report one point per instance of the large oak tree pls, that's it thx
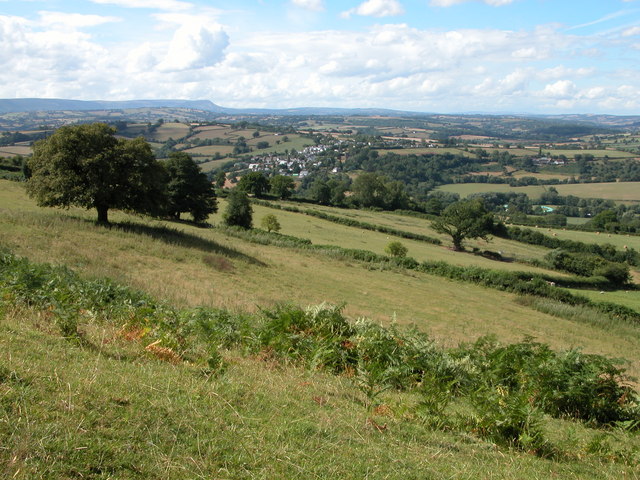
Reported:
(87, 166)
(464, 219)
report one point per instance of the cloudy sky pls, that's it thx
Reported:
(522, 56)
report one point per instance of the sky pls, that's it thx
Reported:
(443, 56)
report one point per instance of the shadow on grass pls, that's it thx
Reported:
(173, 236)
(168, 235)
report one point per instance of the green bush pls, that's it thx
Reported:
(396, 249)
(616, 273)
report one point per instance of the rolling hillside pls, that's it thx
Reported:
(82, 408)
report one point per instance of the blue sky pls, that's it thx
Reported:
(448, 56)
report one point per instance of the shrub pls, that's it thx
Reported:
(270, 223)
(396, 249)
(616, 273)
(239, 212)
(510, 418)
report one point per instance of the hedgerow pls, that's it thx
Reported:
(606, 251)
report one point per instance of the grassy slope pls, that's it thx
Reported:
(509, 249)
(205, 267)
(111, 412)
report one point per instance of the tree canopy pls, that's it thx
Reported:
(463, 220)
(188, 190)
(373, 190)
(239, 212)
(87, 166)
(270, 223)
(255, 183)
(282, 186)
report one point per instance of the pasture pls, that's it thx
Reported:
(170, 130)
(617, 240)
(426, 151)
(210, 150)
(111, 408)
(189, 266)
(13, 150)
(466, 189)
(210, 165)
(598, 154)
(623, 192)
(512, 250)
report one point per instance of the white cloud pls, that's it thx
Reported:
(195, 46)
(561, 71)
(561, 89)
(388, 65)
(376, 8)
(73, 20)
(515, 81)
(51, 63)
(593, 93)
(450, 3)
(315, 5)
(631, 32)
(142, 58)
(170, 5)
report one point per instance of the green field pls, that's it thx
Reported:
(426, 151)
(263, 275)
(598, 154)
(423, 251)
(211, 150)
(617, 240)
(113, 412)
(107, 406)
(618, 191)
(213, 164)
(296, 142)
(466, 189)
(170, 130)
(12, 151)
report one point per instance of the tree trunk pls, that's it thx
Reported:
(103, 217)
(457, 243)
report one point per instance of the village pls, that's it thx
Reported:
(298, 165)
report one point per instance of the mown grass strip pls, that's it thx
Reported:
(351, 222)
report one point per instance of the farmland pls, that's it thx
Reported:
(216, 391)
(623, 192)
(255, 396)
(179, 273)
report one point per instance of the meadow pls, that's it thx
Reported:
(169, 130)
(422, 251)
(101, 403)
(194, 266)
(623, 192)
(114, 411)
(12, 151)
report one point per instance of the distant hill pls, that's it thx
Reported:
(194, 110)
(59, 104)
(14, 105)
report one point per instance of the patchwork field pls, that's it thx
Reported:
(170, 130)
